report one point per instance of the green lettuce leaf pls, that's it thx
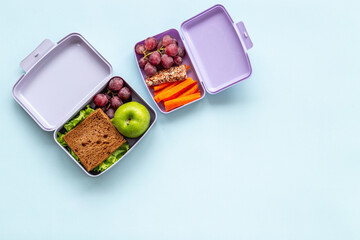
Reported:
(73, 123)
(61, 139)
(112, 158)
(64, 144)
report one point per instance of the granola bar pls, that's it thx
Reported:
(172, 74)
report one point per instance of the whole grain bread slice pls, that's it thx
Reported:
(94, 139)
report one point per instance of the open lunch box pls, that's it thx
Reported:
(75, 71)
(216, 51)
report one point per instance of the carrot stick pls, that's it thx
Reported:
(175, 91)
(191, 90)
(161, 86)
(165, 90)
(173, 84)
(187, 67)
(175, 95)
(177, 102)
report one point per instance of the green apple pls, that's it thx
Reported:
(131, 119)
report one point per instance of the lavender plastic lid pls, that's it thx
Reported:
(59, 79)
(217, 48)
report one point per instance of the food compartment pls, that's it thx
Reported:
(131, 141)
(186, 60)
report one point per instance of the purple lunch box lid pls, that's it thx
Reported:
(217, 48)
(59, 78)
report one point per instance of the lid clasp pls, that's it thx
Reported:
(36, 55)
(245, 38)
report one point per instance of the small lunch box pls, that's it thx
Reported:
(60, 79)
(216, 51)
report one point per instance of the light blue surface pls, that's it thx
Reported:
(274, 157)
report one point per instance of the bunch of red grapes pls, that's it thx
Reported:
(159, 54)
(112, 97)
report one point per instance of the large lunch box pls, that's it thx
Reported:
(216, 51)
(61, 79)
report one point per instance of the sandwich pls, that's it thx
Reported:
(94, 139)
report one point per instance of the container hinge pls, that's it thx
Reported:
(36, 55)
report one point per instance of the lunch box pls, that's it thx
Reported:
(216, 51)
(60, 79)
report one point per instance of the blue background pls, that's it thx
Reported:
(274, 157)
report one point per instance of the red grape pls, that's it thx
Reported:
(150, 69)
(115, 102)
(159, 45)
(116, 83)
(110, 113)
(100, 100)
(150, 43)
(166, 61)
(181, 52)
(172, 49)
(167, 40)
(155, 58)
(175, 41)
(140, 48)
(159, 67)
(178, 60)
(124, 93)
(142, 62)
